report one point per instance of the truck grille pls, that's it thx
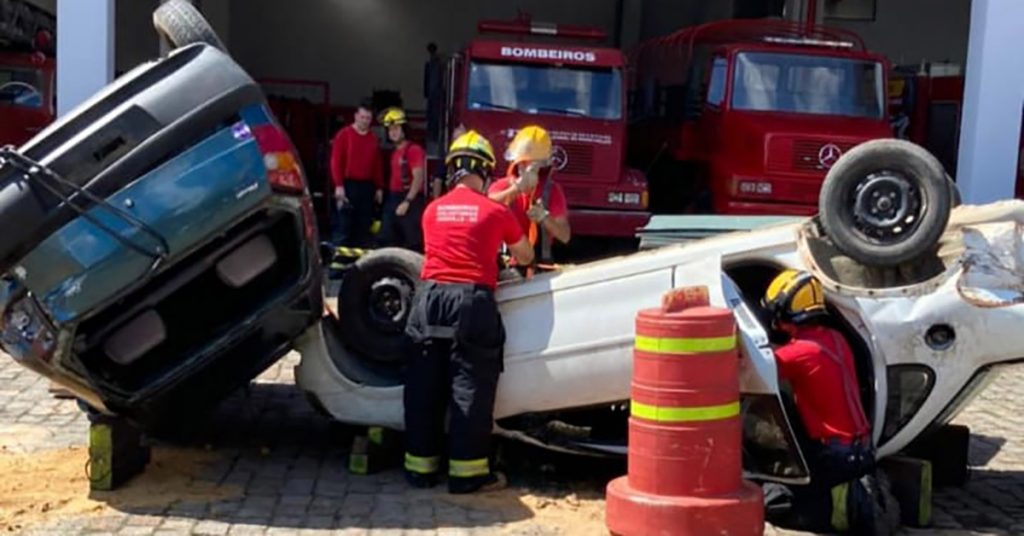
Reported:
(580, 159)
(806, 153)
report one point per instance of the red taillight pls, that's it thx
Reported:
(279, 159)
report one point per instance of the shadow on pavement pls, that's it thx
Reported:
(266, 458)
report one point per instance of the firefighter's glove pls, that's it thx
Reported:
(537, 212)
(529, 175)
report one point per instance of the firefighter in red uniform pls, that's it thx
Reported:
(455, 325)
(358, 181)
(404, 202)
(818, 364)
(533, 195)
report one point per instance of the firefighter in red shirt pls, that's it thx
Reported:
(455, 327)
(358, 178)
(818, 364)
(403, 205)
(529, 189)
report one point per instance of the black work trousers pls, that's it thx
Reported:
(836, 499)
(458, 341)
(402, 231)
(356, 218)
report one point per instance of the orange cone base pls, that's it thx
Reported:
(632, 513)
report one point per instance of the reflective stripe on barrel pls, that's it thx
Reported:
(690, 345)
(670, 414)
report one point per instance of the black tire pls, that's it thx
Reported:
(954, 192)
(372, 321)
(181, 24)
(885, 202)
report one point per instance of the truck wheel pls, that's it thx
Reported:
(374, 302)
(181, 24)
(885, 202)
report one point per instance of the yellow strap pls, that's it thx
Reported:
(420, 464)
(468, 468)
(690, 414)
(695, 345)
(840, 522)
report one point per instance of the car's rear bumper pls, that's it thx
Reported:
(214, 336)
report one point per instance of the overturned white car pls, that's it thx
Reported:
(929, 317)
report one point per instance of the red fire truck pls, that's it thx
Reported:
(27, 72)
(576, 92)
(747, 116)
(927, 107)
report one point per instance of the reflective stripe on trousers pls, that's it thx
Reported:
(468, 468)
(424, 465)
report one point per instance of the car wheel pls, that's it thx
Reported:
(885, 202)
(181, 24)
(375, 300)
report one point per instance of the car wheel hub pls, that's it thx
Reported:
(887, 206)
(389, 302)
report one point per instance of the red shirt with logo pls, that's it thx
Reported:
(355, 157)
(415, 159)
(818, 364)
(462, 233)
(557, 205)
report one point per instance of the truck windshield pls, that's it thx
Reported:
(543, 89)
(20, 87)
(808, 84)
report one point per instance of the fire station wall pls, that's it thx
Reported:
(359, 45)
(912, 31)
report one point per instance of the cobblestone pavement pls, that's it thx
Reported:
(286, 464)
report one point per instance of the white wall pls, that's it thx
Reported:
(359, 45)
(912, 31)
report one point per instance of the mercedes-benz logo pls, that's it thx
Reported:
(829, 154)
(559, 158)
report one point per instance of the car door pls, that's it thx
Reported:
(771, 451)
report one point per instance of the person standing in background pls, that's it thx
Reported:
(358, 180)
(404, 203)
(433, 90)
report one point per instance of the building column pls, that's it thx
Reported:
(993, 100)
(85, 50)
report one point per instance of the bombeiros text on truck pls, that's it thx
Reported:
(538, 74)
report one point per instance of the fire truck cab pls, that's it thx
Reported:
(27, 73)
(747, 116)
(576, 92)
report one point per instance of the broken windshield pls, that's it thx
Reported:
(808, 84)
(546, 89)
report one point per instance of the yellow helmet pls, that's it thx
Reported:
(393, 116)
(532, 143)
(470, 153)
(795, 295)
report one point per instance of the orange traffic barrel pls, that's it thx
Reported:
(684, 471)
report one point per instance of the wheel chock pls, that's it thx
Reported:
(116, 453)
(911, 482)
(379, 449)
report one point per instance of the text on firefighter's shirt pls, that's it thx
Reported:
(458, 213)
